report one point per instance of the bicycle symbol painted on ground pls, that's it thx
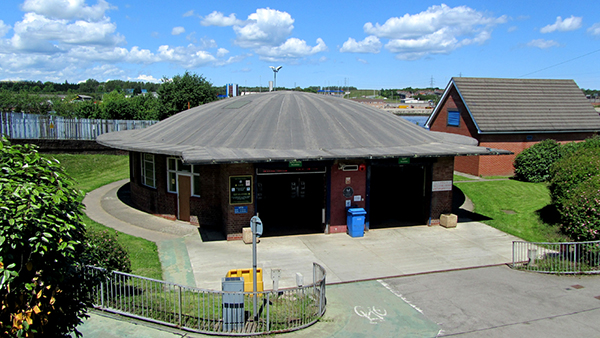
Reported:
(373, 314)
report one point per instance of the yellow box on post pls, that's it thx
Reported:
(247, 275)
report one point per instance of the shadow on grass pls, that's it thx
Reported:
(549, 215)
(461, 209)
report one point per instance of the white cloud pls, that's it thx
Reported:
(512, 29)
(594, 29)
(67, 9)
(542, 44)
(187, 57)
(293, 48)
(218, 19)
(267, 32)
(232, 59)
(4, 28)
(177, 30)
(222, 52)
(146, 78)
(36, 33)
(370, 44)
(363, 61)
(188, 13)
(440, 42)
(568, 24)
(439, 29)
(265, 27)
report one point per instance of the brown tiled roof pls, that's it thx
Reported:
(526, 105)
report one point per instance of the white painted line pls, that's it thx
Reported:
(387, 286)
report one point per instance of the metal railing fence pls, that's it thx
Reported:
(34, 126)
(210, 311)
(560, 258)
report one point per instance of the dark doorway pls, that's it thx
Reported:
(290, 203)
(399, 196)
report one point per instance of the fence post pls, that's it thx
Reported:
(180, 302)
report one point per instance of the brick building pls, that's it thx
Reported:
(511, 114)
(298, 160)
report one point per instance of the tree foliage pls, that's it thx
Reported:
(533, 164)
(183, 91)
(41, 236)
(581, 211)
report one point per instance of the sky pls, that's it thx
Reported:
(383, 44)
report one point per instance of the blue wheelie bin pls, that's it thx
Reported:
(356, 222)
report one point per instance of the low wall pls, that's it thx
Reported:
(69, 146)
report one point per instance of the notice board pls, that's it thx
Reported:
(240, 190)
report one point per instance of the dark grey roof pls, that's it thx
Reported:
(288, 125)
(524, 105)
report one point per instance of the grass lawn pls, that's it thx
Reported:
(91, 171)
(461, 178)
(515, 207)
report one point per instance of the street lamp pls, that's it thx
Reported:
(275, 70)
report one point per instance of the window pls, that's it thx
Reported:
(148, 177)
(176, 166)
(453, 118)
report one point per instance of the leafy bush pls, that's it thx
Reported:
(571, 148)
(581, 211)
(533, 164)
(103, 250)
(41, 234)
(570, 172)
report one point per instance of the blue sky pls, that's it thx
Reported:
(384, 44)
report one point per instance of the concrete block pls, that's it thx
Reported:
(247, 235)
(448, 220)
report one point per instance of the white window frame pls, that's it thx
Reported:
(145, 163)
(192, 174)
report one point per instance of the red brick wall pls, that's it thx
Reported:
(497, 165)
(441, 201)
(440, 122)
(152, 200)
(232, 222)
(358, 182)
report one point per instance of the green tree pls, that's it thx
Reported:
(116, 106)
(41, 235)
(533, 164)
(182, 91)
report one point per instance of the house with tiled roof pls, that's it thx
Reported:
(512, 114)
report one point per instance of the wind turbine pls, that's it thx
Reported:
(275, 70)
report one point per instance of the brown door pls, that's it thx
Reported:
(184, 192)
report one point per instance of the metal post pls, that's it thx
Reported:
(253, 227)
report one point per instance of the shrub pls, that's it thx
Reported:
(103, 250)
(41, 235)
(533, 164)
(581, 211)
(571, 171)
(571, 148)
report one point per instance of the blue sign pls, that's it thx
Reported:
(241, 210)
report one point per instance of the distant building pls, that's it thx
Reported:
(512, 114)
(81, 98)
(232, 90)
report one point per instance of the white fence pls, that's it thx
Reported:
(561, 258)
(34, 126)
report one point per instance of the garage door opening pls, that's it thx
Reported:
(290, 204)
(399, 196)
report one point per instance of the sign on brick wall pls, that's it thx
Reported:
(441, 186)
(240, 189)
